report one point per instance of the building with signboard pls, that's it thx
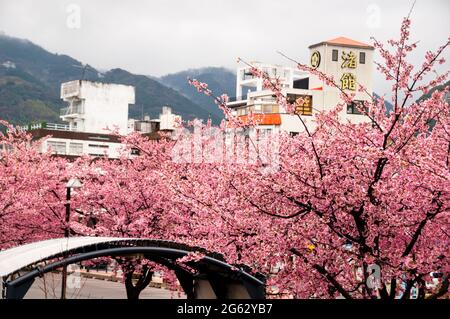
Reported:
(95, 118)
(348, 61)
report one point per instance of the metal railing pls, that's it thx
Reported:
(48, 126)
(237, 98)
(74, 109)
(60, 127)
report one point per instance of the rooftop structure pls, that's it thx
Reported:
(343, 42)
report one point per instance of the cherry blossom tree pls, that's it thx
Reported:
(32, 188)
(127, 198)
(356, 210)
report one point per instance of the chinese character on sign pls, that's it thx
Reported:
(349, 60)
(348, 81)
(303, 104)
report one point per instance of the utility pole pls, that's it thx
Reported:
(66, 235)
(72, 183)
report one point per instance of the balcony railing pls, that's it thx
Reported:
(237, 98)
(59, 127)
(48, 126)
(74, 109)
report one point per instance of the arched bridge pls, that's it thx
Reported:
(213, 277)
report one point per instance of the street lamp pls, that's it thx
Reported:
(72, 183)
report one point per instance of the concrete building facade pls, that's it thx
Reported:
(96, 107)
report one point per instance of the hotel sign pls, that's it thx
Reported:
(302, 103)
(315, 59)
(348, 80)
(348, 60)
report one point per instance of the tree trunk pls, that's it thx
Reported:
(133, 291)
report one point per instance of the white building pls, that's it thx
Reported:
(349, 62)
(94, 113)
(96, 107)
(168, 121)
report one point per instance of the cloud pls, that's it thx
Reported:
(160, 36)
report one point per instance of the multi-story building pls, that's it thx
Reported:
(96, 107)
(349, 62)
(96, 117)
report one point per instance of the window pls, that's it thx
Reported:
(353, 109)
(98, 149)
(248, 76)
(267, 108)
(301, 84)
(271, 108)
(276, 108)
(256, 109)
(76, 106)
(334, 55)
(242, 111)
(262, 133)
(57, 147)
(75, 148)
(98, 145)
(362, 57)
(97, 155)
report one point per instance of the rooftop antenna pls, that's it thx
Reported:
(84, 67)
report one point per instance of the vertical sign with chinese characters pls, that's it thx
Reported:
(348, 80)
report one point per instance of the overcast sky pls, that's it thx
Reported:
(164, 36)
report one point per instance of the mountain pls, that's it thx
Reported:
(439, 88)
(23, 98)
(152, 95)
(389, 106)
(27, 77)
(47, 68)
(30, 79)
(219, 80)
